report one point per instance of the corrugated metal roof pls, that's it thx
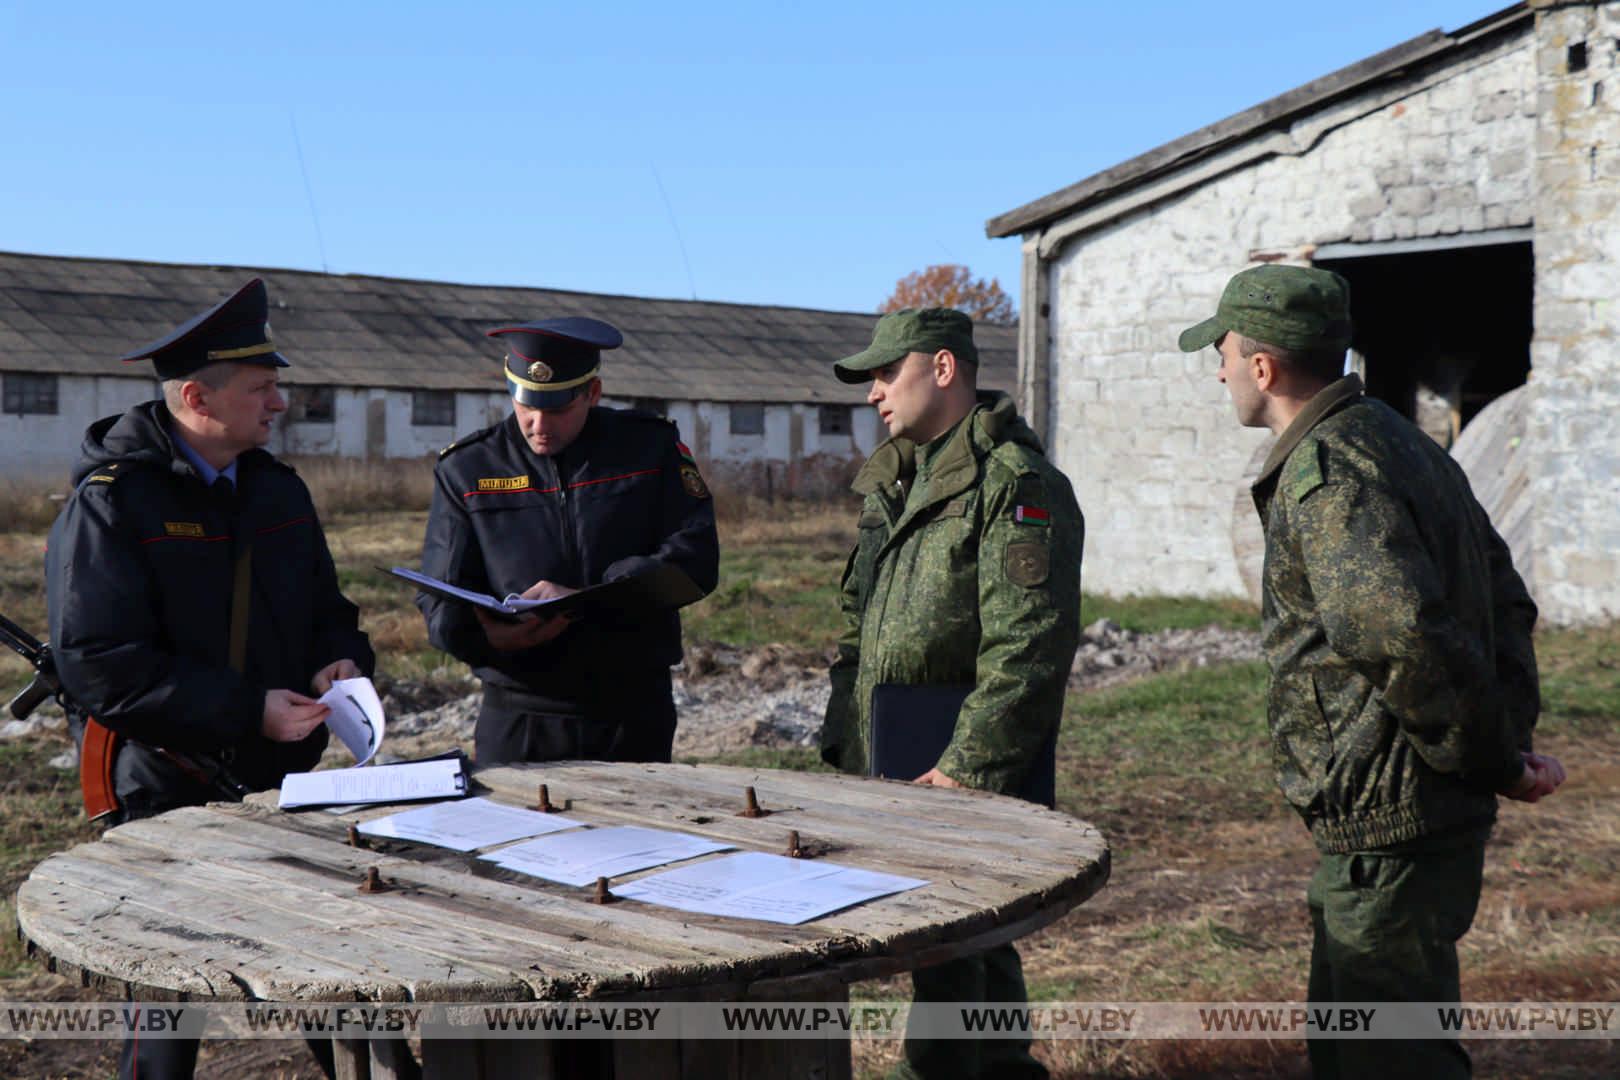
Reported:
(73, 316)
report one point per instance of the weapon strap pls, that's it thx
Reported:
(241, 592)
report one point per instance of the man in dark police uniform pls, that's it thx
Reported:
(193, 602)
(561, 495)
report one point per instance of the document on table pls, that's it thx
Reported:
(754, 885)
(467, 824)
(355, 716)
(440, 778)
(580, 857)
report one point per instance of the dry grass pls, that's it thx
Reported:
(1207, 896)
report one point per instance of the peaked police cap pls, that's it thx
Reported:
(235, 329)
(550, 361)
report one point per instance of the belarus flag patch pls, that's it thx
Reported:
(1031, 515)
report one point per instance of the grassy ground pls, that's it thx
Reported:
(1206, 899)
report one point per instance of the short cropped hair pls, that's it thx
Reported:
(213, 376)
(1319, 364)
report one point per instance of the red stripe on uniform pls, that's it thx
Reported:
(609, 479)
(285, 525)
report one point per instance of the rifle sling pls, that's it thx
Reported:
(241, 594)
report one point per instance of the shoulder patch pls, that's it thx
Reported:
(1028, 562)
(1303, 473)
(692, 481)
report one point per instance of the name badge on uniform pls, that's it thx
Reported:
(502, 483)
(184, 528)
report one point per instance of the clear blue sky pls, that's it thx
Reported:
(809, 154)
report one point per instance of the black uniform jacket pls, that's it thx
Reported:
(619, 499)
(139, 575)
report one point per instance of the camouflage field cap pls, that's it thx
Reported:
(900, 333)
(1295, 307)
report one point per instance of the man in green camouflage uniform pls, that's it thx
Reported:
(967, 572)
(1403, 684)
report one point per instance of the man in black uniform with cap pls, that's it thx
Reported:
(193, 602)
(561, 495)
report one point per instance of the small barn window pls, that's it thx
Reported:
(29, 393)
(835, 420)
(433, 408)
(748, 418)
(312, 404)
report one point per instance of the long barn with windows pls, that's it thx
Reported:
(392, 368)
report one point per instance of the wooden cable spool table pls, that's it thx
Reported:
(242, 902)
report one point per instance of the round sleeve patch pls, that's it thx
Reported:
(1028, 562)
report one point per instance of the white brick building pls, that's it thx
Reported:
(1466, 183)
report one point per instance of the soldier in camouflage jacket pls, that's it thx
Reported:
(1403, 683)
(967, 573)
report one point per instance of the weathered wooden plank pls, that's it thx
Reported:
(351, 1059)
(276, 895)
(577, 961)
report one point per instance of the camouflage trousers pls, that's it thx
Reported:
(996, 975)
(1386, 927)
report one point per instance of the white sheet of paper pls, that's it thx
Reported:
(356, 716)
(375, 784)
(579, 858)
(467, 824)
(754, 885)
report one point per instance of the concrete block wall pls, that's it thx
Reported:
(1146, 433)
(1574, 422)
(46, 447)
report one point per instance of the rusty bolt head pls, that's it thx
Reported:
(751, 805)
(374, 882)
(602, 895)
(544, 805)
(794, 851)
(354, 837)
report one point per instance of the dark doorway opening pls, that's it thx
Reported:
(1441, 333)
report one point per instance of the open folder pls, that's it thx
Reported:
(664, 586)
(912, 726)
(442, 777)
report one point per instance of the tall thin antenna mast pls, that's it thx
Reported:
(673, 224)
(309, 192)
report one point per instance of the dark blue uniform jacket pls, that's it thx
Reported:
(619, 499)
(139, 572)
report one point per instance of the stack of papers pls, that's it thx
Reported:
(467, 825)
(753, 885)
(579, 858)
(440, 778)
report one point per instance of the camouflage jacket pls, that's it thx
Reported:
(967, 571)
(1403, 678)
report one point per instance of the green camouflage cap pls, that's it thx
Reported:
(1294, 307)
(900, 333)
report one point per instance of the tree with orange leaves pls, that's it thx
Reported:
(953, 286)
